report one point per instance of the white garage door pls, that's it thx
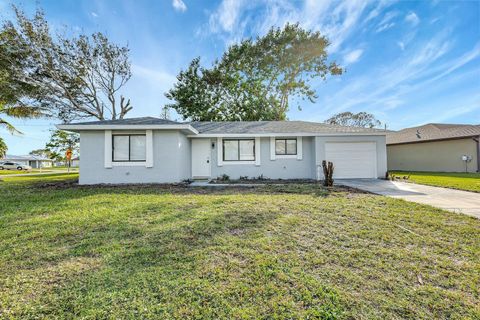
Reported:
(352, 159)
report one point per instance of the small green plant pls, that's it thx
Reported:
(224, 177)
(328, 173)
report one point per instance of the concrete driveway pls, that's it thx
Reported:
(448, 199)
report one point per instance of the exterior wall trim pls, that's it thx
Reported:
(108, 149)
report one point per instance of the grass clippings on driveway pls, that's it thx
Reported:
(453, 180)
(267, 252)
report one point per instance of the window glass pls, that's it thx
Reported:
(279, 146)
(137, 148)
(286, 146)
(247, 150)
(120, 148)
(230, 150)
(291, 146)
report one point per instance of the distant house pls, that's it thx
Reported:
(30, 160)
(152, 150)
(435, 147)
(75, 162)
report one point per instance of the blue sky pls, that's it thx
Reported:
(407, 62)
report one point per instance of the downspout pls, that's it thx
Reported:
(477, 140)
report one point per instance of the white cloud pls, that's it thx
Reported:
(179, 5)
(386, 87)
(412, 18)
(353, 56)
(385, 27)
(386, 22)
(225, 18)
(157, 77)
(336, 19)
(94, 14)
(401, 44)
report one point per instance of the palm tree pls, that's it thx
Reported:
(19, 112)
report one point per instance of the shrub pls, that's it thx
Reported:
(224, 177)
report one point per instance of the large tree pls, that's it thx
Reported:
(361, 119)
(255, 79)
(68, 77)
(60, 142)
(13, 89)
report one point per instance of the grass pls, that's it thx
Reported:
(274, 252)
(9, 172)
(44, 170)
(454, 180)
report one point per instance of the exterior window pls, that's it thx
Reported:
(129, 148)
(239, 150)
(285, 146)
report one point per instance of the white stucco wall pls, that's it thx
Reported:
(171, 160)
(273, 169)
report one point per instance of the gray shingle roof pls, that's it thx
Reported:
(258, 127)
(132, 121)
(433, 131)
(25, 158)
(241, 127)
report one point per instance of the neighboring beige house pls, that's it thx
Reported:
(435, 147)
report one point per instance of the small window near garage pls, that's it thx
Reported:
(285, 146)
(129, 148)
(239, 150)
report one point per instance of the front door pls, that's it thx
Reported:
(201, 158)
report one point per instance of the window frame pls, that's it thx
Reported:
(129, 147)
(238, 146)
(285, 143)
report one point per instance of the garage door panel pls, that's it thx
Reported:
(352, 159)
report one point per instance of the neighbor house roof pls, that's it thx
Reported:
(433, 132)
(29, 157)
(205, 128)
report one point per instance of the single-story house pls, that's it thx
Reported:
(33, 161)
(152, 150)
(435, 147)
(75, 162)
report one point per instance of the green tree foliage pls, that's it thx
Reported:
(255, 79)
(361, 119)
(69, 78)
(3, 148)
(43, 153)
(60, 142)
(13, 88)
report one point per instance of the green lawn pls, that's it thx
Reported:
(289, 252)
(461, 181)
(53, 169)
(9, 172)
